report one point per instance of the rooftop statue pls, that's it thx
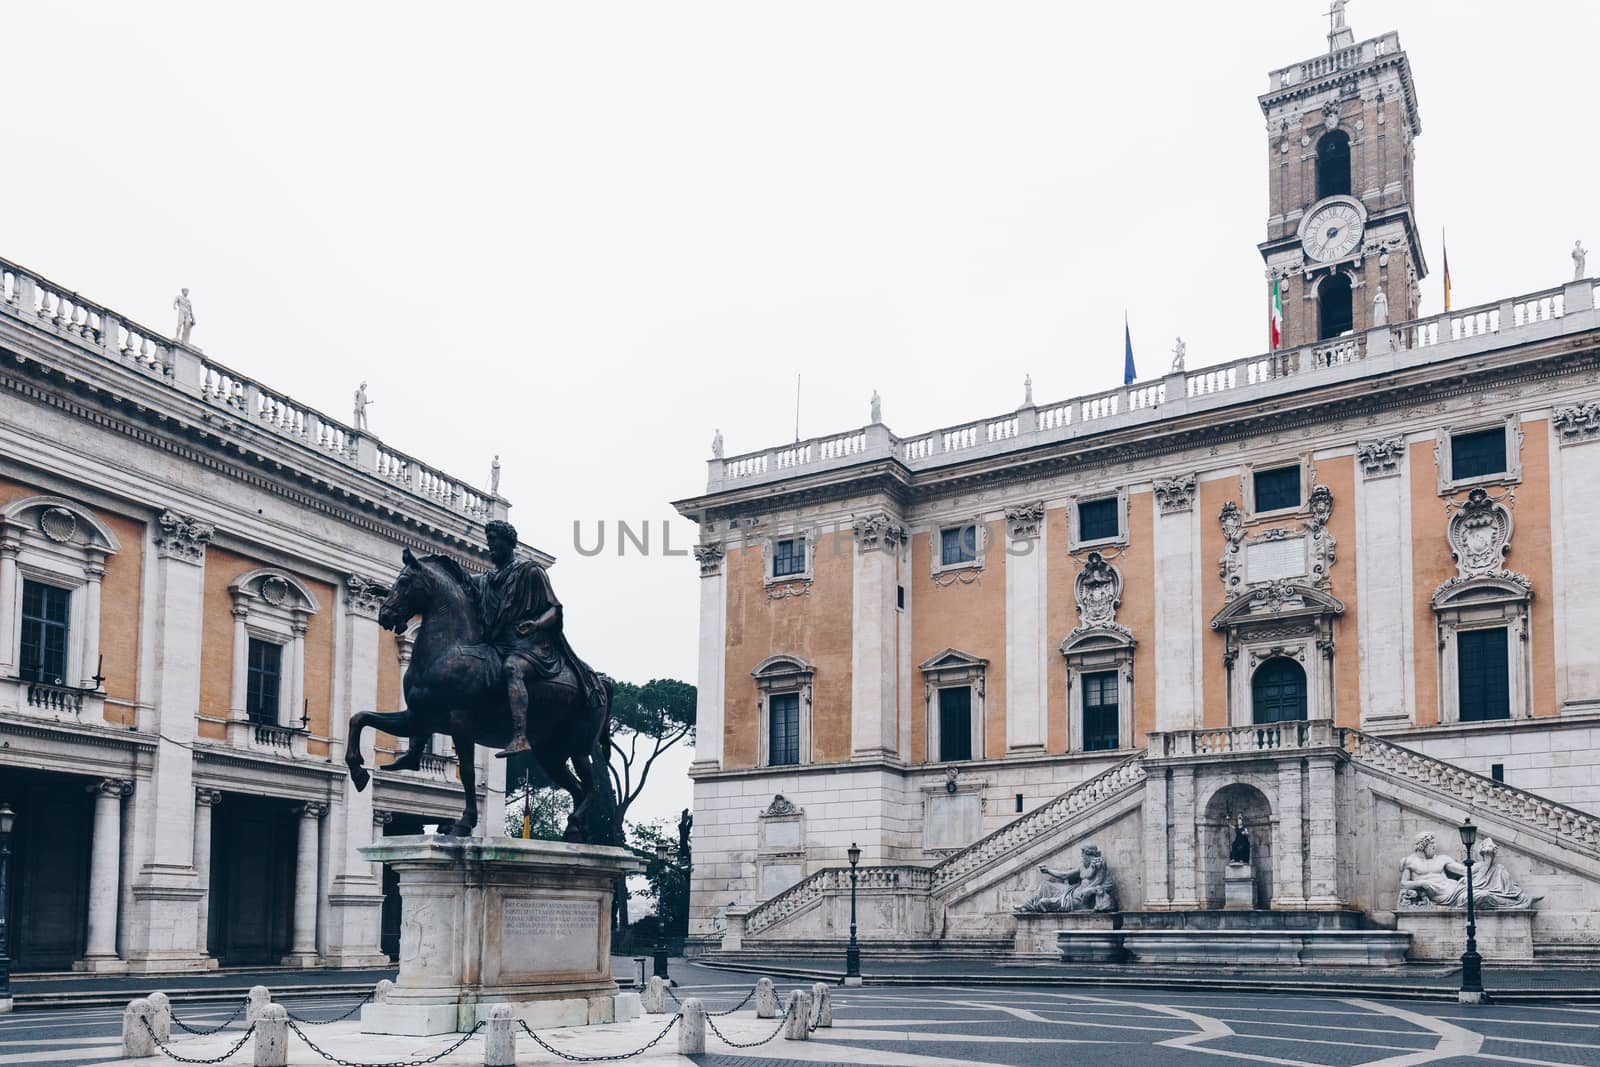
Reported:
(490, 651)
(185, 317)
(1089, 888)
(1580, 260)
(361, 405)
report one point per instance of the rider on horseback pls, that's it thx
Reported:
(522, 620)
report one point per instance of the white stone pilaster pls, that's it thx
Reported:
(1185, 876)
(105, 869)
(713, 657)
(204, 801)
(1179, 627)
(297, 673)
(303, 949)
(1027, 702)
(1322, 826)
(1383, 583)
(10, 603)
(1288, 847)
(94, 573)
(241, 663)
(1157, 835)
(874, 658)
(1575, 561)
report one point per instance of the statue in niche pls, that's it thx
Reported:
(1239, 851)
(1429, 880)
(1089, 888)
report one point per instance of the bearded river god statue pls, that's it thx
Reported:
(1089, 888)
(1429, 879)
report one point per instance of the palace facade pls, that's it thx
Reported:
(191, 566)
(1342, 593)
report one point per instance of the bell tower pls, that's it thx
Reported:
(1341, 233)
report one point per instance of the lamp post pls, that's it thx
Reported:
(852, 955)
(7, 820)
(661, 911)
(1471, 962)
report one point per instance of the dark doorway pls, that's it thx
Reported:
(1278, 692)
(253, 842)
(389, 935)
(1333, 164)
(1335, 313)
(47, 907)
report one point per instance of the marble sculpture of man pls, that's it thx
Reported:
(1089, 888)
(1430, 880)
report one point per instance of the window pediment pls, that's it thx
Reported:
(1277, 601)
(273, 588)
(774, 671)
(1497, 587)
(62, 522)
(952, 660)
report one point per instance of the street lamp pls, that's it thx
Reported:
(661, 910)
(8, 818)
(852, 955)
(1471, 962)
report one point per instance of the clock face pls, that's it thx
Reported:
(1332, 232)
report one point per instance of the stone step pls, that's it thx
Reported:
(1250, 947)
(884, 948)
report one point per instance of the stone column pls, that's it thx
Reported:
(1322, 814)
(354, 919)
(303, 952)
(162, 933)
(1288, 844)
(713, 657)
(105, 869)
(1179, 632)
(1157, 835)
(10, 607)
(874, 652)
(1185, 893)
(297, 671)
(1383, 582)
(204, 801)
(1027, 704)
(95, 572)
(241, 662)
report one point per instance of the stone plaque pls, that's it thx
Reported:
(549, 934)
(776, 877)
(954, 820)
(1268, 561)
(782, 834)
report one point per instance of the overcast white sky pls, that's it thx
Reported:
(644, 219)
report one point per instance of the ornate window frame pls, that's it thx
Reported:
(1281, 619)
(1098, 643)
(1247, 486)
(1486, 602)
(980, 537)
(57, 542)
(271, 605)
(783, 674)
(773, 845)
(769, 555)
(1075, 542)
(1512, 475)
(953, 669)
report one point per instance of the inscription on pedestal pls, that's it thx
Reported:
(545, 934)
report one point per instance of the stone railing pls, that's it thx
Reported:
(1266, 738)
(813, 888)
(1381, 349)
(1575, 829)
(104, 334)
(271, 735)
(57, 699)
(1021, 832)
(1347, 58)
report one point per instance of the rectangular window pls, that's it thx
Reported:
(955, 724)
(1478, 454)
(1277, 489)
(44, 632)
(263, 680)
(1100, 711)
(783, 736)
(1483, 687)
(789, 557)
(1098, 520)
(958, 545)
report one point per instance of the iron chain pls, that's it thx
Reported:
(750, 1044)
(201, 1031)
(574, 1058)
(336, 1019)
(165, 1051)
(391, 1063)
(737, 1006)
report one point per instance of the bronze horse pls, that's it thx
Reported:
(453, 686)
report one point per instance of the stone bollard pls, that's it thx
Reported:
(271, 1039)
(797, 1026)
(766, 999)
(655, 996)
(692, 1028)
(161, 1016)
(381, 991)
(136, 1040)
(822, 1003)
(499, 1041)
(260, 997)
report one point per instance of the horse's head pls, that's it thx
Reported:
(408, 598)
(425, 584)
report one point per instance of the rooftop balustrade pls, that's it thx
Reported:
(40, 304)
(1436, 339)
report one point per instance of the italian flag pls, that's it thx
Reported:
(1275, 314)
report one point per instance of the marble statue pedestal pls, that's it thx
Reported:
(1238, 887)
(1441, 933)
(487, 921)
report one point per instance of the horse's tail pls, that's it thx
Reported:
(603, 727)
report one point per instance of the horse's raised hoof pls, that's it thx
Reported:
(358, 774)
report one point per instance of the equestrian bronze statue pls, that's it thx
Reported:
(491, 666)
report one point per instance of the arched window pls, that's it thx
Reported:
(1335, 312)
(1278, 692)
(1333, 164)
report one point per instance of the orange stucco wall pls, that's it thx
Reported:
(969, 617)
(389, 697)
(1431, 564)
(815, 626)
(1214, 680)
(120, 597)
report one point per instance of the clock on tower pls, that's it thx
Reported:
(1340, 225)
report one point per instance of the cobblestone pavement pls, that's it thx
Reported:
(949, 1024)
